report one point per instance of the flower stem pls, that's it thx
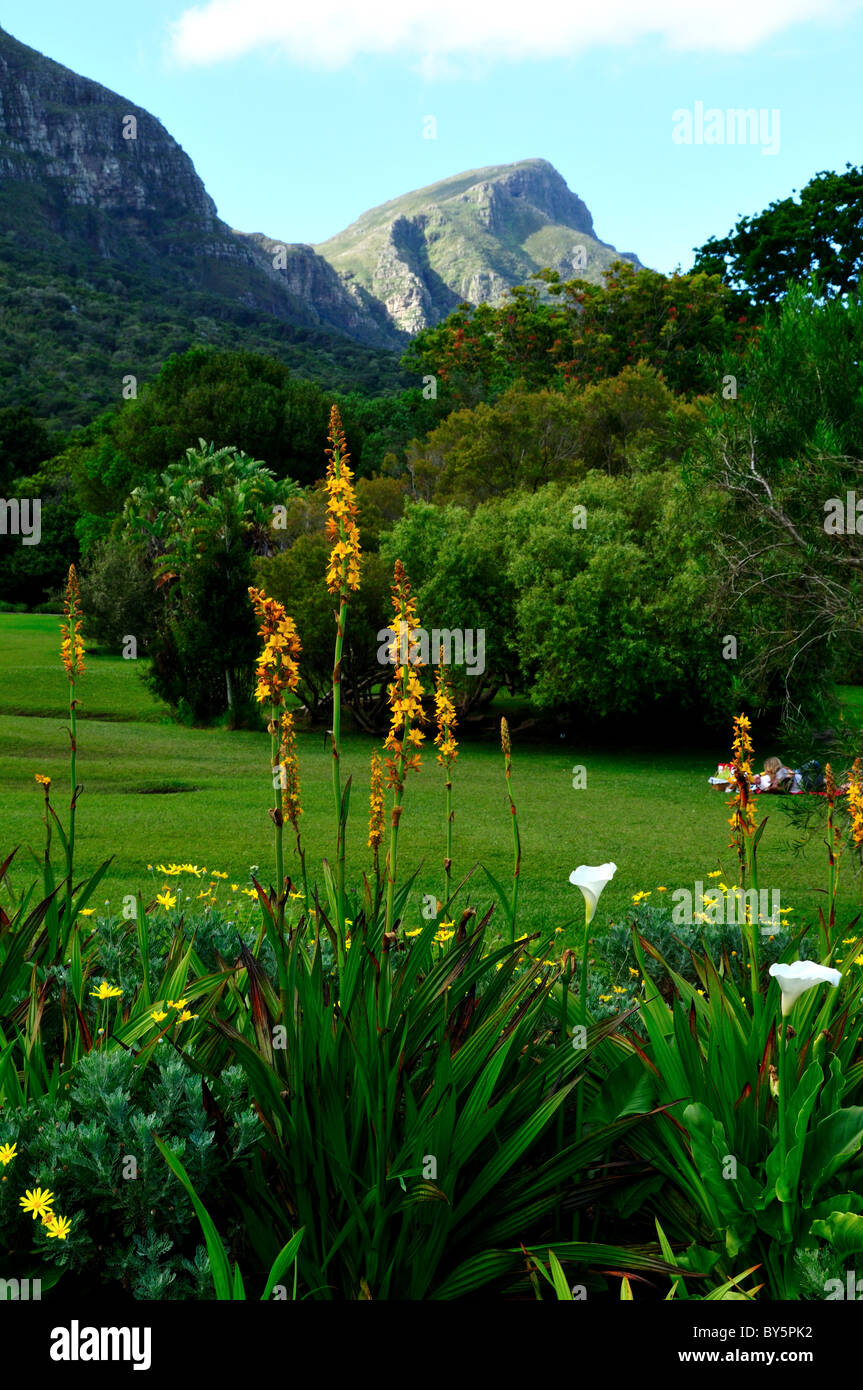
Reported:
(392, 853)
(277, 815)
(448, 861)
(579, 1098)
(782, 1070)
(73, 778)
(337, 780)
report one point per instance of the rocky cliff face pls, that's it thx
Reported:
(470, 237)
(98, 202)
(65, 134)
(80, 163)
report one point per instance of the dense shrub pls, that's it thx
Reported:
(133, 1227)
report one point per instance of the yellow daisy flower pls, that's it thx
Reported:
(58, 1227)
(38, 1201)
(105, 991)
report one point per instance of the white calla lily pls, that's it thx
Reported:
(591, 879)
(801, 975)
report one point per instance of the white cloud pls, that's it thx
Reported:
(435, 34)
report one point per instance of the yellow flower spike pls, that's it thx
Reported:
(72, 647)
(405, 692)
(445, 740)
(343, 570)
(291, 806)
(38, 1201)
(855, 803)
(277, 668)
(377, 810)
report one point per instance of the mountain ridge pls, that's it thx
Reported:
(469, 237)
(113, 255)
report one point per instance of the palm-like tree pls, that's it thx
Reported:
(214, 507)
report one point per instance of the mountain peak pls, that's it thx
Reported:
(469, 237)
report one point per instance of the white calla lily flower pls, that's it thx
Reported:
(591, 879)
(801, 975)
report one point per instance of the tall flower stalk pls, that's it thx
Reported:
(855, 803)
(290, 781)
(447, 747)
(377, 813)
(834, 854)
(745, 835)
(72, 654)
(406, 714)
(277, 671)
(506, 745)
(343, 577)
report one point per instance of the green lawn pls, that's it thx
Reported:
(652, 814)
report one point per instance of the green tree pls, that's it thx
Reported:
(528, 438)
(24, 444)
(786, 453)
(202, 523)
(591, 595)
(817, 236)
(244, 399)
(552, 331)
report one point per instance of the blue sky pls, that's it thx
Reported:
(298, 117)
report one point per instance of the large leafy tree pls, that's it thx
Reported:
(818, 235)
(250, 401)
(203, 521)
(600, 619)
(550, 332)
(527, 438)
(787, 452)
